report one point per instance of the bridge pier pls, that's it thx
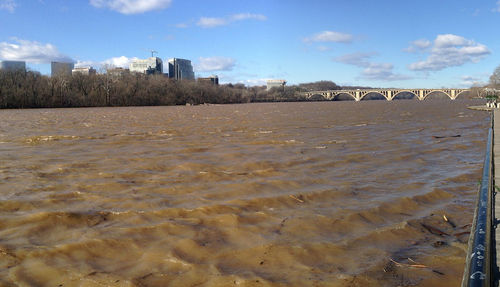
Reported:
(421, 95)
(389, 95)
(453, 95)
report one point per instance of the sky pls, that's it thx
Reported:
(387, 44)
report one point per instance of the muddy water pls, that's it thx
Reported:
(288, 194)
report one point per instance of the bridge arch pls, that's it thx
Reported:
(433, 93)
(344, 96)
(370, 96)
(317, 97)
(461, 92)
(399, 94)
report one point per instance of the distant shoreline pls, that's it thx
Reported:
(31, 90)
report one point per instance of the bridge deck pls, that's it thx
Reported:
(388, 94)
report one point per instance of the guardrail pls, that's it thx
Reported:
(478, 262)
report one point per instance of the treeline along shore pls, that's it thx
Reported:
(28, 89)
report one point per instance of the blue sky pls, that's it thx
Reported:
(402, 44)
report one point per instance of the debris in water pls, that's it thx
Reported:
(282, 224)
(413, 265)
(449, 221)
(434, 230)
(466, 226)
(443, 137)
(437, 271)
(408, 265)
(439, 243)
(299, 199)
(389, 267)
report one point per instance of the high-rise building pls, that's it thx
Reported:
(61, 68)
(13, 65)
(214, 80)
(180, 69)
(84, 71)
(153, 65)
(117, 72)
(275, 84)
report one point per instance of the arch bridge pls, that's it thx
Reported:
(388, 94)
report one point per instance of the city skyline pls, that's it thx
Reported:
(379, 44)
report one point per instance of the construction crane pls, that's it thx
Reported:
(153, 52)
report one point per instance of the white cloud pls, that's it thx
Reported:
(256, 82)
(80, 64)
(418, 46)
(121, 61)
(422, 43)
(471, 81)
(131, 6)
(324, 48)
(356, 59)
(211, 22)
(215, 64)
(115, 62)
(247, 16)
(330, 36)
(383, 72)
(9, 5)
(31, 51)
(450, 40)
(371, 70)
(450, 50)
(207, 22)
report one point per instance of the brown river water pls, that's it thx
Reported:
(275, 194)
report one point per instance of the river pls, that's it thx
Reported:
(275, 194)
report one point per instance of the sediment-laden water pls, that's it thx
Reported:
(285, 194)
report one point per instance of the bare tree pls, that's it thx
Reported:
(495, 78)
(476, 92)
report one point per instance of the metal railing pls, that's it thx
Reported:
(478, 262)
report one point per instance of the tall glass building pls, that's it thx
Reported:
(180, 69)
(61, 68)
(13, 65)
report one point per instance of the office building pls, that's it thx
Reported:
(13, 65)
(214, 80)
(275, 84)
(149, 66)
(61, 68)
(84, 71)
(180, 69)
(117, 72)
